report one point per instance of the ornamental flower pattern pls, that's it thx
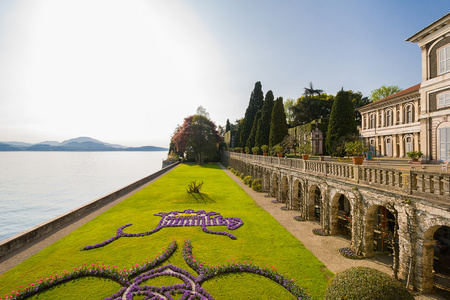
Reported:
(188, 217)
(133, 280)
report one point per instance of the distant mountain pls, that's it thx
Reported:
(76, 144)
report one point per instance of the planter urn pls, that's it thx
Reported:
(358, 160)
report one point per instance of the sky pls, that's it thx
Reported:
(128, 72)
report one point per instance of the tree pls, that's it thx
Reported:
(288, 104)
(198, 138)
(358, 101)
(251, 139)
(228, 126)
(341, 124)
(278, 124)
(383, 92)
(202, 112)
(255, 104)
(263, 126)
(310, 108)
(311, 91)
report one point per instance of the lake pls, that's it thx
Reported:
(38, 186)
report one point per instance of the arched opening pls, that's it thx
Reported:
(436, 260)
(284, 197)
(297, 196)
(314, 203)
(341, 215)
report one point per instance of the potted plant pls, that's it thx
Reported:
(247, 150)
(255, 150)
(356, 149)
(278, 149)
(305, 150)
(414, 155)
(265, 149)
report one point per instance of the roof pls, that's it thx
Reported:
(409, 90)
(445, 20)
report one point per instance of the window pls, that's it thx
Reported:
(408, 144)
(389, 118)
(409, 114)
(443, 99)
(444, 60)
(372, 121)
(444, 143)
(379, 120)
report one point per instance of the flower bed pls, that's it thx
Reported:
(188, 217)
(347, 252)
(133, 280)
(298, 218)
(319, 231)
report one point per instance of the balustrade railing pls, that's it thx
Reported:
(410, 182)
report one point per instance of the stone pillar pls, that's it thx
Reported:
(425, 265)
(416, 141)
(394, 145)
(402, 146)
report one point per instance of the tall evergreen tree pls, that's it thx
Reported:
(278, 124)
(255, 104)
(227, 126)
(342, 122)
(251, 139)
(263, 128)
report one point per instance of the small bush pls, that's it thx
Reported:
(257, 184)
(361, 283)
(242, 176)
(248, 180)
(194, 187)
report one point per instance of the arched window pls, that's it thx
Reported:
(408, 144)
(388, 118)
(409, 117)
(388, 146)
(372, 121)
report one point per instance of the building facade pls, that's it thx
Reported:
(417, 118)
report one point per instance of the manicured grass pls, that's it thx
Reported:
(261, 240)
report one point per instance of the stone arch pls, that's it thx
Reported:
(315, 204)
(435, 255)
(341, 215)
(284, 195)
(379, 229)
(297, 203)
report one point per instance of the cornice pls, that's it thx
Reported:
(431, 31)
(389, 102)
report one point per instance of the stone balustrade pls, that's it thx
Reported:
(419, 183)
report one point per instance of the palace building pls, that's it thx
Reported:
(417, 118)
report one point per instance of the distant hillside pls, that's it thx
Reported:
(76, 144)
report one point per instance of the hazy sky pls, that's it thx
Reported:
(129, 71)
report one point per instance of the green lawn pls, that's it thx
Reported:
(261, 240)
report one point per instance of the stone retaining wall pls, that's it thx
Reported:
(14, 243)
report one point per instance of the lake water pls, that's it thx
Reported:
(38, 186)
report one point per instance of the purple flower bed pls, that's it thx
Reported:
(188, 217)
(133, 279)
(347, 252)
(319, 231)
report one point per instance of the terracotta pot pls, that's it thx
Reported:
(305, 156)
(280, 154)
(358, 160)
(254, 153)
(265, 153)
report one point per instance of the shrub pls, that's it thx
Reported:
(242, 176)
(365, 283)
(257, 184)
(248, 180)
(194, 187)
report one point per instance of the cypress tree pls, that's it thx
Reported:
(255, 104)
(227, 126)
(263, 126)
(278, 124)
(342, 122)
(251, 139)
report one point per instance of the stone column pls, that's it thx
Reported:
(425, 275)
(402, 146)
